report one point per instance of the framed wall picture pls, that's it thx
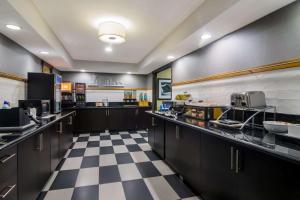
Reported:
(164, 89)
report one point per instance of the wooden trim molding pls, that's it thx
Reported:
(265, 68)
(12, 76)
(113, 88)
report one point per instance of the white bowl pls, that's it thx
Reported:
(276, 126)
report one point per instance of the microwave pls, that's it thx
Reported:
(43, 107)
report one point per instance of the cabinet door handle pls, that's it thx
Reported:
(6, 158)
(107, 112)
(153, 121)
(40, 144)
(177, 133)
(237, 161)
(70, 120)
(6, 191)
(60, 128)
(231, 158)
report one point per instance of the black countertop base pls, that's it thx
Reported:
(256, 139)
(16, 137)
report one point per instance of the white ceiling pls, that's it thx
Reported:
(156, 28)
(148, 22)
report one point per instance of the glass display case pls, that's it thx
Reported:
(205, 113)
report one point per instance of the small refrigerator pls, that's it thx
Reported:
(45, 87)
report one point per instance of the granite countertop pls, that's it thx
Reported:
(16, 137)
(276, 145)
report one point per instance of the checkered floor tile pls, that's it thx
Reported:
(114, 166)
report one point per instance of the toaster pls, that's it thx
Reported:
(249, 99)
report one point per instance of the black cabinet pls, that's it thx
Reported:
(156, 136)
(172, 149)
(39, 155)
(159, 144)
(266, 177)
(115, 119)
(151, 132)
(123, 119)
(88, 120)
(230, 171)
(143, 119)
(130, 118)
(98, 119)
(190, 156)
(8, 174)
(66, 139)
(55, 146)
(182, 152)
(61, 138)
(220, 169)
(84, 120)
(34, 165)
(218, 178)
(44, 159)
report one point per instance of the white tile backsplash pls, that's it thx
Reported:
(12, 91)
(111, 95)
(282, 89)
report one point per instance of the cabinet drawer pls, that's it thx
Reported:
(8, 188)
(8, 174)
(8, 163)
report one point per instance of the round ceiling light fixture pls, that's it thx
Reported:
(112, 32)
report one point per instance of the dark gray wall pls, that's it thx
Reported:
(149, 81)
(17, 60)
(129, 81)
(273, 38)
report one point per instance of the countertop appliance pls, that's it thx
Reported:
(250, 99)
(247, 109)
(14, 119)
(67, 95)
(205, 113)
(177, 106)
(45, 86)
(42, 107)
(80, 94)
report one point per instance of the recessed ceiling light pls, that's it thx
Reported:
(205, 36)
(129, 72)
(44, 52)
(83, 70)
(170, 57)
(13, 27)
(108, 49)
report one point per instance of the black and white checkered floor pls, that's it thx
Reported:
(114, 166)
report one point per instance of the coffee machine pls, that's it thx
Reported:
(45, 86)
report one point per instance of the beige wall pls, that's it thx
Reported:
(12, 91)
(281, 88)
